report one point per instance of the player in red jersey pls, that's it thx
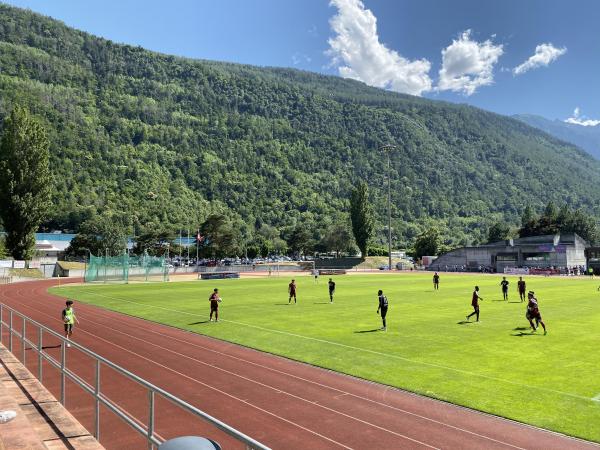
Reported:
(475, 303)
(521, 287)
(533, 312)
(214, 300)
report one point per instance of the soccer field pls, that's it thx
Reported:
(496, 365)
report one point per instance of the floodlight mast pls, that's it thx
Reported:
(387, 148)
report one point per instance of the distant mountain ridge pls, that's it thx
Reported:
(164, 141)
(587, 138)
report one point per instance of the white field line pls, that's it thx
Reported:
(209, 386)
(350, 347)
(342, 392)
(596, 398)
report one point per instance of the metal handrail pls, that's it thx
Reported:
(146, 430)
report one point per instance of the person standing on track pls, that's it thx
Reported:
(214, 300)
(331, 285)
(292, 288)
(436, 281)
(504, 284)
(475, 304)
(521, 286)
(69, 318)
(383, 307)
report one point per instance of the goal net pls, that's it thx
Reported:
(125, 268)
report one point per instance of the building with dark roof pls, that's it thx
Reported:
(558, 251)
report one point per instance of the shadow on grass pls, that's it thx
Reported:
(321, 303)
(368, 331)
(521, 329)
(521, 334)
(282, 304)
(516, 302)
(499, 300)
(464, 322)
(199, 323)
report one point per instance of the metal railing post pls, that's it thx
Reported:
(1, 321)
(10, 330)
(40, 349)
(63, 360)
(150, 418)
(97, 401)
(23, 341)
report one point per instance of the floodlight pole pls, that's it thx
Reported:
(388, 148)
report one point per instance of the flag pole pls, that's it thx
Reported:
(197, 246)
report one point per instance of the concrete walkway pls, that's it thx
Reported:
(41, 422)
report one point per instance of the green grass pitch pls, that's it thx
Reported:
(496, 365)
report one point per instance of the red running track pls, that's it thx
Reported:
(282, 403)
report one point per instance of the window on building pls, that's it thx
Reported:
(536, 257)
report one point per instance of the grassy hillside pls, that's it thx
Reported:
(167, 140)
(585, 137)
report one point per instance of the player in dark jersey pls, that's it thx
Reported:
(331, 285)
(436, 281)
(533, 312)
(521, 286)
(504, 283)
(214, 300)
(475, 303)
(292, 288)
(383, 307)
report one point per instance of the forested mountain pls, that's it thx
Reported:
(587, 138)
(163, 140)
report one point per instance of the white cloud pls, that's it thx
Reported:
(468, 64)
(359, 54)
(544, 55)
(300, 58)
(578, 119)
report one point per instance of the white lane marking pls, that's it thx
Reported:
(276, 390)
(221, 391)
(350, 347)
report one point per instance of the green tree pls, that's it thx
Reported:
(338, 238)
(155, 243)
(498, 232)
(427, 243)
(361, 215)
(101, 235)
(3, 252)
(25, 181)
(300, 241)
(527, 216)
(221, 239)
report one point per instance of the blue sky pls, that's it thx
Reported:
(510, 56)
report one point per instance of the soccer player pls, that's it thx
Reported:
(436, 281)
(383, 307)
(214, 300)
(292, 291)
(69, 318)
(475, 303)
(521, 287)
(316, 274)
(533, 312)
(504, 283)
(331, 285)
